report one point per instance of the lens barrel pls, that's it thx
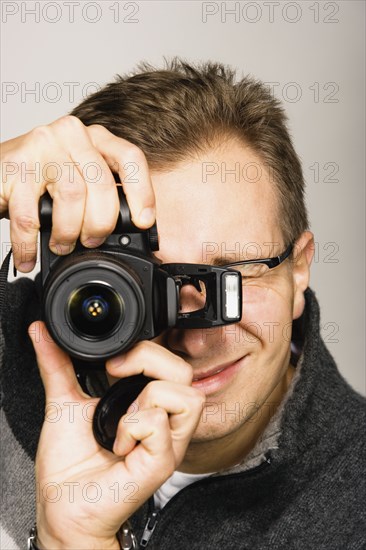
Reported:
(94, 306)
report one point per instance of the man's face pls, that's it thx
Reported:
(224, 205)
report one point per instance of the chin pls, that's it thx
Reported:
(215, 426)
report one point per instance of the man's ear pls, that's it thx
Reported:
(302, 257)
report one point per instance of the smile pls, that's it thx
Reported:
(217, 377)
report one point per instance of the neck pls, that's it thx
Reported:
(218, 454)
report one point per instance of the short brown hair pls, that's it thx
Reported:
(183, 109)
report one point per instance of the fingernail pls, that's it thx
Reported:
(62, 249)
(147, 216)
(26, 266)
(93, 242)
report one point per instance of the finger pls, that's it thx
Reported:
(148, 464)
(56, 370)
(68, 192)
(101, 197)
(183, 403)
(151, 462)
(101, 212)
(24, 225)
(130, 162)
(152, 360)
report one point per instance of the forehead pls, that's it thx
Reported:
(221, 204)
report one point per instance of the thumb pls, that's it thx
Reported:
(55, 366)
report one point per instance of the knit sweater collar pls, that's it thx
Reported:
(305, 414)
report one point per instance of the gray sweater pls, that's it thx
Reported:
(301, 487)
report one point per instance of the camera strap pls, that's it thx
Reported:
(4, 279)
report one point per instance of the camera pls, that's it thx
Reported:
(99, 302)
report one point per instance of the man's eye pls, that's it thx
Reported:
(252, 270)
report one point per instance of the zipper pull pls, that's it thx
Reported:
(126, 538)
(149, 528)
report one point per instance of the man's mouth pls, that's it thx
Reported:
(218, 377)
(213, 370)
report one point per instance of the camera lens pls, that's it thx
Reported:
(95, 310)
(94, 306)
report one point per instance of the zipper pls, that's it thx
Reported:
(154, 514)
(152, 520)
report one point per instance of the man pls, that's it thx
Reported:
(249, 436)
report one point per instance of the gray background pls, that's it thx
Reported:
(313, 53)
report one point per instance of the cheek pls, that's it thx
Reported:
(267, 312)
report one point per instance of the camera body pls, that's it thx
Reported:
(99, 302)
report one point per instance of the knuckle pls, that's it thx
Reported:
(146, 345)
(127, 423)
(98, 129)
(41, 134)
(142, 349)
(70, 192)
(186, 370)
(197, 398)
(150, 388)
(68, 122)
(133, 153)
(159, 417)
(27, 223)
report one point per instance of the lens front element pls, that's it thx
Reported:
(95, 310)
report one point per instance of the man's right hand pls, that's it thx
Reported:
(74, 163)
(84, 492)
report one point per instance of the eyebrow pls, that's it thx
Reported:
(222, 262)
(218, 262)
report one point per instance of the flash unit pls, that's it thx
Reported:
(231, 296)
